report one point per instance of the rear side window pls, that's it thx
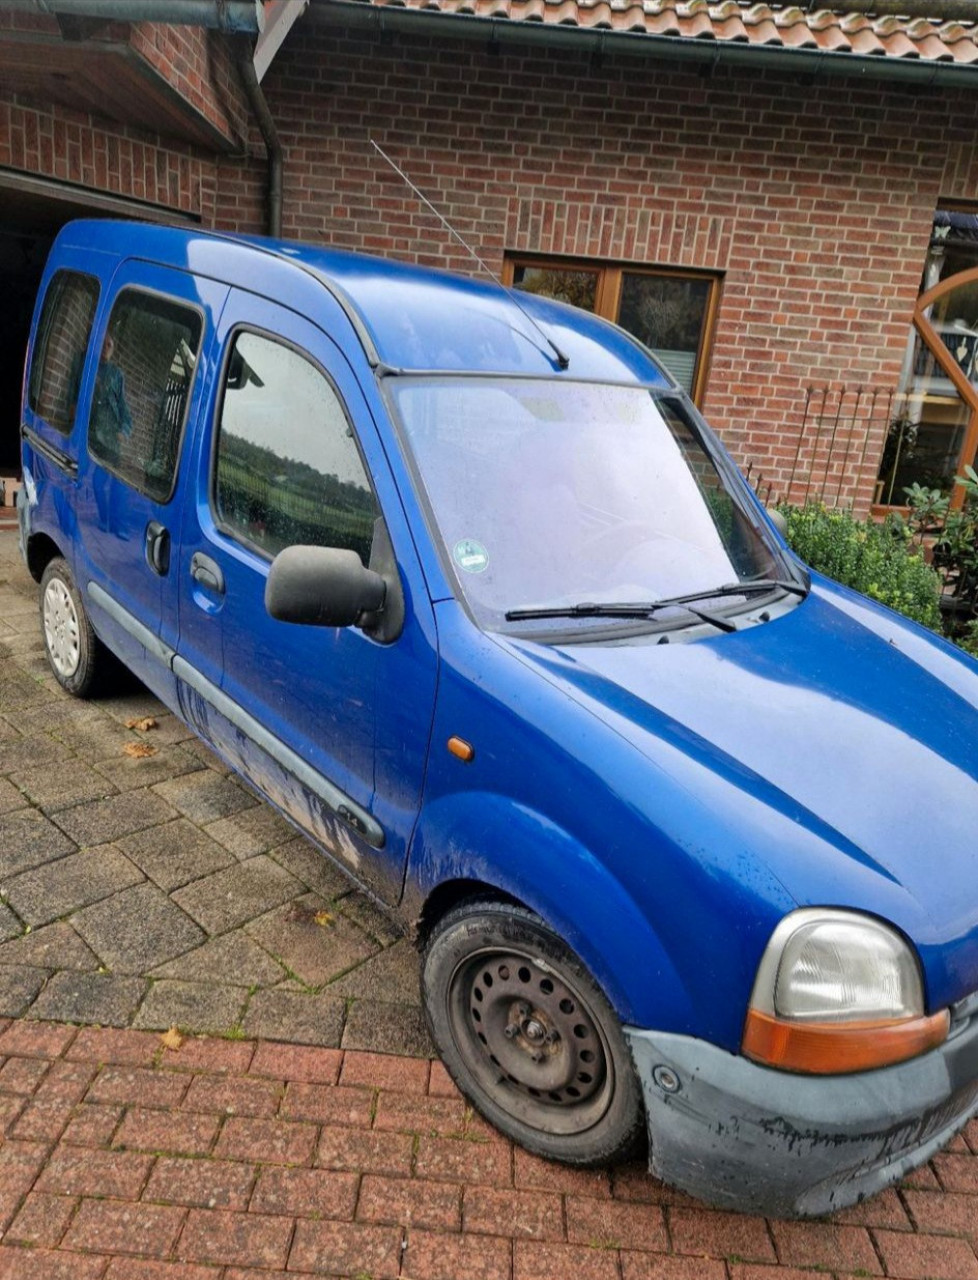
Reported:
(59, 354)
(142, 389)
(288, 469)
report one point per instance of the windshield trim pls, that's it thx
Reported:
(596, 629)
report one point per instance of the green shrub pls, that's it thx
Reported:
(877, 559)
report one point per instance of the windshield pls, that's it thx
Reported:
(548, 493)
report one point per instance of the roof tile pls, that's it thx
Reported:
(733, 21)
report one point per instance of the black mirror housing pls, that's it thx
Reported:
(322, 587)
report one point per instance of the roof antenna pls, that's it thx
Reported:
(563, 361)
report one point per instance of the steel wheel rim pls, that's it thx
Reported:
(61, 628)
(529, 1038)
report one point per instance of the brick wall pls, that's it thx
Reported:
(197, 63)
(54, 142)
(813, 200)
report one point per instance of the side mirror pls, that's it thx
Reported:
(323, 587)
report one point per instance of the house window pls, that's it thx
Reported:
(671, 312)
(933, 431)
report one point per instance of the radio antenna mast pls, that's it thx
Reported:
(562, 360)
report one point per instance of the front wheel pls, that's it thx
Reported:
(529, 1037)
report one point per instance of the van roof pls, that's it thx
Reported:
(407, 317)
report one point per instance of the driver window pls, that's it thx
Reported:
(288, 470)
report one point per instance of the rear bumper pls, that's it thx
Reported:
(746, 1137)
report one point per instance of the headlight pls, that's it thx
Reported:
(836, 992)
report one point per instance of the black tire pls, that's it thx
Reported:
(74, 652)
(529, 1037)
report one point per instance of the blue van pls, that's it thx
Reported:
(460, 580)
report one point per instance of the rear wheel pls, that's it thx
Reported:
(72, 648)
(529, 1037)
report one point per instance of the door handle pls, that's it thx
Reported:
(158, 548)
(207, 572)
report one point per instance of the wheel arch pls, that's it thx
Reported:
(481, 844)
(41, 550)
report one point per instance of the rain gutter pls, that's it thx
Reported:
(700, 52)
(231, 16)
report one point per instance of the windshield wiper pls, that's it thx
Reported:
(647, 608)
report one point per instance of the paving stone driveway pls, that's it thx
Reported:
(142, 886)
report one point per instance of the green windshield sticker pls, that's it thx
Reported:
(470, 555)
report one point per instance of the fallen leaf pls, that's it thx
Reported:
(139, 750)
(142, 723)
(171, 1039)
(323, 918)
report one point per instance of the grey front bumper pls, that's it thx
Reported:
(746, 1137)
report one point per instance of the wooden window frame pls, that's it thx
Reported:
(607, 299)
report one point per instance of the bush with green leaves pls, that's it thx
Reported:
(879, 559)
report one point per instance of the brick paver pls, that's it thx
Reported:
(187, 1163)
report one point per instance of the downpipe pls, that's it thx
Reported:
(244, 57)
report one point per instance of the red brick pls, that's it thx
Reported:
(405, 1112)
(957, 1172)
(615, 1224)
(654, 1266)
(145, 1269)
(36, 1039)
(113, 1226)
(914, 1257)
(138, 1088)
(346, 1247)
(433, 1256)
(40, 1121)
(23, 1075)
(412, 1202)
(306, 1193)
(532, 1214)
(458, 1160)
(240, 1097)
(92, 1125)
(11, 1108)
(328, 1104)
(117, 1046)
(947, 1211)
(535, 1261)
(270, 1141)
(42, 1220)
(297, 1062)
(183, 1133)
(204, 1184)
(198, 1053)
(39, 1264)
(441, 1084)
(821, 1244)
(700, 1231)
(882, 1210)
(384, 1071)
(66, 1082)
(82, 1172)
(236, 1239)
(922, 1179)
(531, 1171)
(369, 1152)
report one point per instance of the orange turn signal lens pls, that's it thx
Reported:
(834, 1048)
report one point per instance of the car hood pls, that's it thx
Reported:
(858, 725)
